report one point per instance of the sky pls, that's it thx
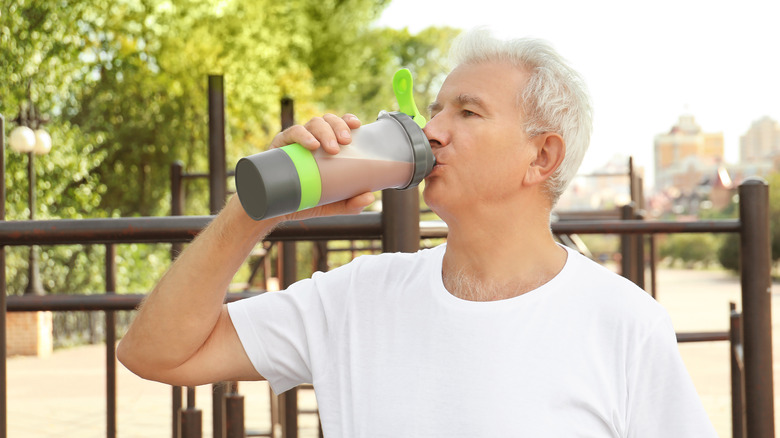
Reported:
(645, 63)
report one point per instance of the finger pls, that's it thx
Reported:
(323, 130)
(328, 131)
(295, 134)
(340, 127)
(352, 121)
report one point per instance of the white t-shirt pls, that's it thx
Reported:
(392, 353)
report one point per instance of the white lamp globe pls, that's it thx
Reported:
(22, 139)
(42, 142)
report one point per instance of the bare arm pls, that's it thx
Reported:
(182, 334)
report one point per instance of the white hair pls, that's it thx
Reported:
(554, 100)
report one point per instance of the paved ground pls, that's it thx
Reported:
(64, 395)
(699, 301)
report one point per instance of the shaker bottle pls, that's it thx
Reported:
(392, 152)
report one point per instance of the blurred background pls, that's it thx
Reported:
(101, 97)
(113, 92)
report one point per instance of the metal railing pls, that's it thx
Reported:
(402, 231)
(399, 229)
(390, 226)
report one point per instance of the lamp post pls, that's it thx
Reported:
(29, 138)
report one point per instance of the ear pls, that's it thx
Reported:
(550, 150)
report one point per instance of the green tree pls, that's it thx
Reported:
(774, 214)
(728, 253)
(40, 64)
(690, 249)
(367, 86)
(124, 83)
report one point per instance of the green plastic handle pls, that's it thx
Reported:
(402, 87)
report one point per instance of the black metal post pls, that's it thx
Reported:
(217, 193)
(34, 285)
(287, 255)
(288, 272)
(217, 166)
(638, 244)
(177, 194)
(177, 201)
(176, 405)
(3, 287)
(756, 307)
(737, 378)
(653, 262)
(191, 418)
(287, 112)
(234, 403)
(401, 220)
(321, 256)
(110, 344)
(177, 209)
(626, 246)
(288, 401)
(633, 188)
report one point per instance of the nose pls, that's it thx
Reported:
(436, 132)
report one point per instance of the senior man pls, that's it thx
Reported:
(499, 332)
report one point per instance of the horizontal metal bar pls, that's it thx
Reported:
(356, 249)
(197, 175)
(363, 226)
(175, 229)
(645, 227)
(702, 337)
(194, 175)
(96, 302)
(92, 231)
(433, 229)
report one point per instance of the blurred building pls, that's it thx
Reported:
(607, 188)
(690, 173)
(759, 147)
(685, 154)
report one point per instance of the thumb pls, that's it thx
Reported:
(353, 205)
(357, 203)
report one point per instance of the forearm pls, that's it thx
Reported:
(183, 332)
(179, 315)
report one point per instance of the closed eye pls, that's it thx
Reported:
(467, 113)
(433, 109)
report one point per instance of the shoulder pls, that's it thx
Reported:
(610, 294)
(420, 256)
(384, 269)
(396, 262)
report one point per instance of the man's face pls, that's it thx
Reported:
(476, 133)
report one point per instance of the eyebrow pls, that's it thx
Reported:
(467, 99)
(462, 100)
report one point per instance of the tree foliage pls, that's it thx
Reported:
(690, 249)
(728, 253)
(124, 83)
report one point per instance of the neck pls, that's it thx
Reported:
(492, 258)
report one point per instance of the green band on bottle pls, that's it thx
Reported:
(308, 174)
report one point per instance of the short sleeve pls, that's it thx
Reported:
(662, 401)
(276, 331)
